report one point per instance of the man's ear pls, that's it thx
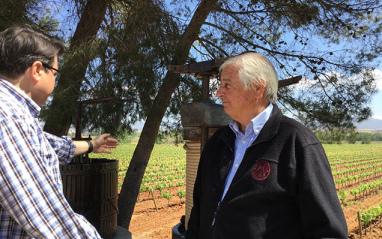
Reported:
(36, 71)
(259, 91)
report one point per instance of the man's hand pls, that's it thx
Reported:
(103, 142)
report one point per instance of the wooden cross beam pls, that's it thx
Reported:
(209, 69)
(92, 101)
(199, 69)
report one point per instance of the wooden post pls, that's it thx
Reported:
(206, 87)
(78, 120)
(155, 202)
(205, 97)
(359, 224)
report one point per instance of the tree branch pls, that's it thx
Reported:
(202, 40)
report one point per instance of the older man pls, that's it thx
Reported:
(32, 203)
(265, 175)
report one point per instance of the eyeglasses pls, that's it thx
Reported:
(58, 73)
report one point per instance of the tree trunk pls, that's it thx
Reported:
(141, 156)
(65, 96)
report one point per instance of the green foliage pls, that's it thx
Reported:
(366, 216)
(132, 61)
(366, 139)
(165, 169)
(167, 195)
(167, 166)
(363, 187)
(342, 196)
(370, 136)
(160, 186)
(127, 137)
(171, 136)
(352, 136)
(181, 194)
(160, 137)
(28, 12)
(329, 102)
(356, 169)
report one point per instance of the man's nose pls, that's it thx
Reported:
(219, 92)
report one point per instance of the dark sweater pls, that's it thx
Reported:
(282, 189)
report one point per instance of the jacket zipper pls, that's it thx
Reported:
(218, 206)
(215, 214)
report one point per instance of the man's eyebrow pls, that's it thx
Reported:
(225, 79)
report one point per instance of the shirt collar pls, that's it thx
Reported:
(21, 97)
(256, 123)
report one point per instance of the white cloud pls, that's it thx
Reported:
(378, 77)
(377, 116)
(306, 83)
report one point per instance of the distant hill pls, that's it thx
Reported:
(370, 124)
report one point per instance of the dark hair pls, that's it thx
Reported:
(20, 46)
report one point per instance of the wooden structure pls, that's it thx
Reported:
(91, 185)
(92, 101)
(200, 120)
(92, 191)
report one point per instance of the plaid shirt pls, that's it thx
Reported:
(32, 203)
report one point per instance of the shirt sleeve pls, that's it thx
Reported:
(29, 192)
(63, 146)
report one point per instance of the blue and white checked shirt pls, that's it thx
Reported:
(243, 141)
(32, 203)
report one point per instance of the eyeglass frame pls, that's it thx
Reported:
(59, 73)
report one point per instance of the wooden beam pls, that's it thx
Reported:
(103, 100)
(199, 69)
(211, 69)
(289, 81)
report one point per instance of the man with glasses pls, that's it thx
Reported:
(57, 73)
(32, 203)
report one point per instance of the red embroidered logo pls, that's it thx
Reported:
(261, 170)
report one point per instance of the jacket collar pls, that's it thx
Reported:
(270, 129)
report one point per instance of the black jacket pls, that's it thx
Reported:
(282, 189)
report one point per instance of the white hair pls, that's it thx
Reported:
(255, 68)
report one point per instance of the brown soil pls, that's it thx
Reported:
(147, 222)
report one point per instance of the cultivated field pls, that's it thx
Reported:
(357, 172)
